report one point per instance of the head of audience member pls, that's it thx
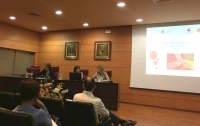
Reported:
(77, 69)
(89, 84)
(100, 69)
(29, 90)
(47, 66)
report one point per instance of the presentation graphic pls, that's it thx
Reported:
(180, 61)
(173, 50)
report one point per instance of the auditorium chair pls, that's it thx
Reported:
(6, 100)
(55, 106)
(10, 118)
(82, 114)
(69, 95)
(85, 72)
(109, 74)
(16, 100)
(56, 70)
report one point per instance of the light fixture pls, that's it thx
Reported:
(121, 4)
(58, 12)
(139, 20)
(12, 17)
(44, 27)
(85, 24)
(108, 31)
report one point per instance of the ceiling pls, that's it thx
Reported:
(98, 13)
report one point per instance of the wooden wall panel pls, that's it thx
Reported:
(188, 105)
(52, 47)
(13, 37)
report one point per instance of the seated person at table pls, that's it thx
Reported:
(29, 91)
(101, 74)
(87, 96)
(47, 71)
(77, 70)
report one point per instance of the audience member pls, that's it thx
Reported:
(29, 91)
(87, 96)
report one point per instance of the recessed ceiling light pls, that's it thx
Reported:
(12, 18)
(85, 24)
(139, 20)
(121, 4)
(44, 27)
(58, 12)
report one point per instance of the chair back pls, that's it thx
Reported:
(55, 106)
(79, 114)
(56, 70)
(17, 99)
(32, 70)
(85, 72)
(69, 95)
(35, 67)
(109, 73)
(6, 100)
(10, 118)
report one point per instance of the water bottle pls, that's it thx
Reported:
(60, 77)
(26, 74)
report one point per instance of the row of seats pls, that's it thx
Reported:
(71, 113)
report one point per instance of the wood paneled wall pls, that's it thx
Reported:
(13, 37)
(52, 46)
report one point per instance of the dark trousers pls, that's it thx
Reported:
(115, 119)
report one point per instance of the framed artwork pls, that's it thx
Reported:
(102, 50)
(71, 50)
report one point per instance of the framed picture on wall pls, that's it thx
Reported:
(102, 50)
(71, 50)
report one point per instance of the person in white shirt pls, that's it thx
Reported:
(101, 74)
(87, 96)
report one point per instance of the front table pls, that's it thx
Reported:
(107, 92)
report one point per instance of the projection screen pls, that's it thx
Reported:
(166, 58)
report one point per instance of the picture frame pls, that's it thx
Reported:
(71, 50)
(102, 50)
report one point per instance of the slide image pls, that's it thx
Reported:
(180, 61)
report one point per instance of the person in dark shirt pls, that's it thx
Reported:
(77, 70)
(47, 71)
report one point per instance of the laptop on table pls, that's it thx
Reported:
(75, 76)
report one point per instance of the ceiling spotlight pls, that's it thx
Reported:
(121, 4)
(139, 20)
(108, 31)
(85, 24)
(12, 18)
(58, 12)
(44, 27)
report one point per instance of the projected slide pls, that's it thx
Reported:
(173, 50)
